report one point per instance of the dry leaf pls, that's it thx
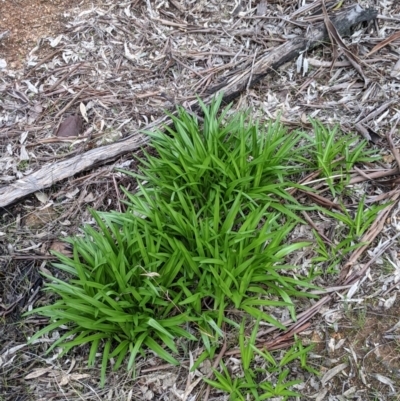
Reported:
(305, 66)
(331, 345)
(89, 197)
(127, 11)
(353, 289)
(40, 218)
(23, 154)
(128, 54)
(333, 372)
(388, 158)
(42, 197)
(385, 42)
(394, 328)
(237, 9)
(7, 357)
(61, 247)
(71, 126)
(262, 8)
(72, 194)
(83, 111)
(37, 373)
(45, 271)
(4, 34)
(321, 395)
(54, 42)
(62, 380)
(340, 344)
(299, 63)
(31, 87)
(316, 338)
(390, 301)
(395, 70)
(385, 380)
(79, 376)
(24, 135)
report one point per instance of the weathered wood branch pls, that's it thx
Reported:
(233, 87)
(54, 172)
(270, 61)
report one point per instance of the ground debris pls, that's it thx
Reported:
(120, 65)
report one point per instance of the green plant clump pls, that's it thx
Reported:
(205, 233)
(253, 380)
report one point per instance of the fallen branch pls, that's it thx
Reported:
(262, 65)
(270, 61)
(54, 172)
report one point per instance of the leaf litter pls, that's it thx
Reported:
(116, 68)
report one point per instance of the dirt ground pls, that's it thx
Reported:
(23, 23)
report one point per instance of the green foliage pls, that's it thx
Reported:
(352, 226)
(223, 163)
(255, 376)
(205, 232)
(335, 154)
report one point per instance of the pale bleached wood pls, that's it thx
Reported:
(233, 87)
(269, 62)
(49, 174)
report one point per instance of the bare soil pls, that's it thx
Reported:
(28, 22)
